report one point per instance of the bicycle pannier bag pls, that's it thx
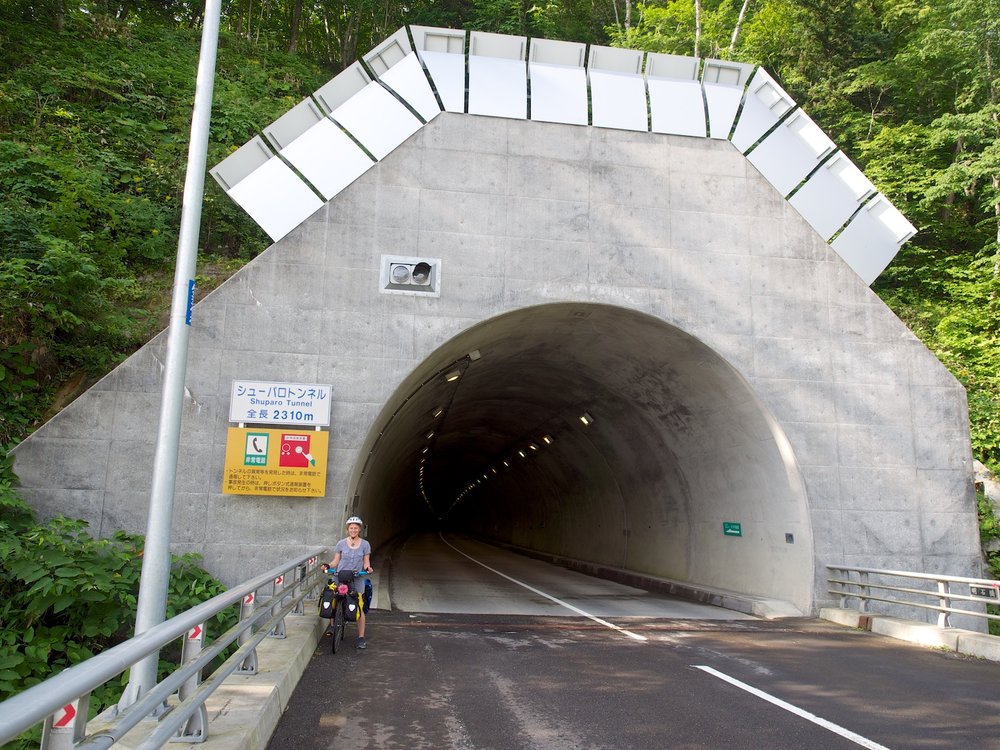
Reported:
(326, 603)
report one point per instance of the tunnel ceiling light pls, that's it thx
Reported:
(547, 439)
(438, 412)
(493, 470)
(533, 447)
(452, 376)
(586, 418)
(506, 464)
(426, 448)
(521, 454)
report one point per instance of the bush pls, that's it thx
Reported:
(65, 596)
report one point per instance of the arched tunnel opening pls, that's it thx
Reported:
(595, 433)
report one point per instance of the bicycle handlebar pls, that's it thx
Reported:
(359, 573)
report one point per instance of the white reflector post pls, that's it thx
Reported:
(443, 53)
(676, 104)
(617, 89)
(873, 238)
(498, 78)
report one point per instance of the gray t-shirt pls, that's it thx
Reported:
(352, 559)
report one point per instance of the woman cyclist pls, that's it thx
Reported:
(354, 553)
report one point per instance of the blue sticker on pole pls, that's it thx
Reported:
(187, 314)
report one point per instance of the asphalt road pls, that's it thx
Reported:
(568, 681)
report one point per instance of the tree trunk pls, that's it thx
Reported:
(628, 14)
(697, 26)
(293, 36)
(739, 25)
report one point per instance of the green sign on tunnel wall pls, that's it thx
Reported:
(731, 528)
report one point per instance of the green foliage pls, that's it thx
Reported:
(65, 596)
(94, 125)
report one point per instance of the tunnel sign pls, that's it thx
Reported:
(259, 402)
(731, 528)
(286, 462)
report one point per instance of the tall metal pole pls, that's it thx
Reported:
(152, 603)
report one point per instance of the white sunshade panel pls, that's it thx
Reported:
(558, 94)
(275, 198)
(498, 87)
(377, 120)
(448, 73)
(791, 152)
(327, 158)
(618, 100)
(873, 238)
(831, 195)
(677, 107)
(723, 103)
(407, 79)
(766, 103)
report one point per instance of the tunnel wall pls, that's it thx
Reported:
(520, 213)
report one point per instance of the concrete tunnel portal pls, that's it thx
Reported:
(595, 433)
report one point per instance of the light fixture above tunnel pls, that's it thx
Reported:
(586, 419)
(453, 375)
(410, 275)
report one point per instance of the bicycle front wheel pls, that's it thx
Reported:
(338, 625)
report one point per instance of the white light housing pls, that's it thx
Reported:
(407, 275)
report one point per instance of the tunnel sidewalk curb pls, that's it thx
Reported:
(758, 606)
(968, 642)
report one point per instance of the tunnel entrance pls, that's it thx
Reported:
(596, 433)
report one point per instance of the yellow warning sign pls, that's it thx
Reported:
(275, 462)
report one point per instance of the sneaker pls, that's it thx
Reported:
(361, 643)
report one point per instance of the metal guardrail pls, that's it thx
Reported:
(979, 590)
(63, 701)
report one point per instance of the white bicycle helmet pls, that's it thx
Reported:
(354, 519)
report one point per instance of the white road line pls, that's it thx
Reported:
(835, 728)
(605, 623)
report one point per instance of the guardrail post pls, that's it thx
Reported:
(864, 592)
(300, 576)
(249, 665)
(196, 727)
(278, 631)
(67, 726)
(306, 570)
(944, 619)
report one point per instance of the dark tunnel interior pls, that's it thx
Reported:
(597, 433)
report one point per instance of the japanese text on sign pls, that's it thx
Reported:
(275, 462)
(259, 402)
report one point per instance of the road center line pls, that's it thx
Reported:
(835, 728)
(605, 623)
